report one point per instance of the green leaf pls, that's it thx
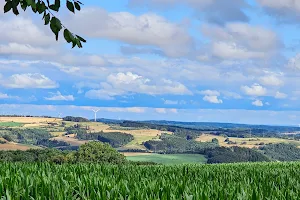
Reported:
(70, 6)
(57, 3)
(29, 2)
(80, 38)
(47, 19)
(67, 35)
(78, 43)
(24, 5)
(7, 6)
(54, 7)
(55, 26)
(77, 6)
(15, 3)
(33, 6)
(15, 11)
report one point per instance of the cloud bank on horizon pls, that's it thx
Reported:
(165, 59)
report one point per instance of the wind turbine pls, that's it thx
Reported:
(59, 115)
(95, 111)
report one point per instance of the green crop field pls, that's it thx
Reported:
(169, 158)
(190, 182)
(11, 124)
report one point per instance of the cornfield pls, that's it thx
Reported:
(191, 182)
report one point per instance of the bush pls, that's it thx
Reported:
(98, 152)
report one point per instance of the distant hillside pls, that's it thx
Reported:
(211, 125)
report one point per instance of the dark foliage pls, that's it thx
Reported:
(115, 139)
(75, 119)
(234, 154)
(175, 144)
(96, 152)
(52, 143)
(282, 152)
(25, 136)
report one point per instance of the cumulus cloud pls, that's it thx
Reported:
(231, 95)
(271, 80)
(212, 99)
(254, 90)
(25, 49)
(258, 103)
(59, 97)
(29, 80)
(280, 95)
(214, 11)
(283, 10)
(241, 41)
(128, 83)
(20, 36)
(209, 92)
(147, 29)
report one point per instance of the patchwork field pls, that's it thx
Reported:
(10, 124)
(16, 146)
(244, 142)
(167, 159)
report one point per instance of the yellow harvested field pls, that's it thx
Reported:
(135, 154)
(250, 142)
(29, 120)
(56, 134)
(15, 146)
(142, 132)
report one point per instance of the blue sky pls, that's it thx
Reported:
(191, 60)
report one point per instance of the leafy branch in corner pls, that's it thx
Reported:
(46, 9)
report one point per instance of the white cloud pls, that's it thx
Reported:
(283, 9)
(209, 92)
(254, 90)
(280, 95)
(23, 30)
(59, 97)
(212, 99)
(258, 103)
(165, 110)
(161, 110)
(146, 29)
(231, 95)
(129, 109)
(271, 80)
(128, 83)
(214, 11)
(294, 62)
(241, 41)
(6, 96)
(24, 49)
(29, 80)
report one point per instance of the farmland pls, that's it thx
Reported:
(10, 124)
(193, 182)
(172, 145)
(167, 159)
(245, 142)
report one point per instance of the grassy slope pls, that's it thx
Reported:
(169, 159)
(249, 144)
(10, 124)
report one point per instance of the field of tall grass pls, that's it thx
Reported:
(91, 181)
